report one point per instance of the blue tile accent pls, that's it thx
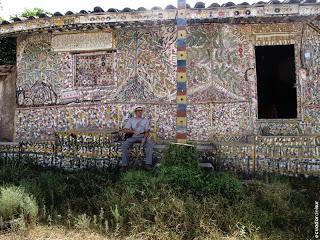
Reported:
(181, 42)
(181, 129)
(181, 22)
(182, 107)
(182, 63)
(181, 85)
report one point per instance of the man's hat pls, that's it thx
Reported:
(138, 108)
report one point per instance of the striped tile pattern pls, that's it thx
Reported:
(181, 127)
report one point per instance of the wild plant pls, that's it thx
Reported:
(15, 202)
(116, 217)
(83, 222)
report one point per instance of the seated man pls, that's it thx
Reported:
(139, 127)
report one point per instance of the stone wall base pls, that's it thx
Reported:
(289, 155)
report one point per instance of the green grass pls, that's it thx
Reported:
(176, 201)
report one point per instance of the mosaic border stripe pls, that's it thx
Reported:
(181, 117)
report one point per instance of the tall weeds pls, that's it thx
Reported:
(17, 208)
(176, 201)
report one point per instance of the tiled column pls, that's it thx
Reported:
(181, 132)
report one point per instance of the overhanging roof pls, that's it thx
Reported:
(230, 13)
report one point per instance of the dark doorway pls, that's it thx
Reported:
(277, 95)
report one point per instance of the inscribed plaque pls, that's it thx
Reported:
(82, 42)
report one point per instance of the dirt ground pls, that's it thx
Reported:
(52, 233)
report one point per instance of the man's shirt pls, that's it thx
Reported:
(139, 125)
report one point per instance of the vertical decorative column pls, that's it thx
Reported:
(181, 126)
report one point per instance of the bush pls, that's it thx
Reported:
(223, 184)
(16, 203)
(278, 207)
(12, 171)
(176, 201)
(182, 173)
(180, 155)
(82, 222)
(180, 169)
(181, 178)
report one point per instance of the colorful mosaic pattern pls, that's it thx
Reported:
(93, 70)
(89, 116)
(38, 64)
(310, 75)
(291, 155)
(39, 94)
(76, 150)
(222, 98)
(181, 134)
(218, 58)
(221, 83)
(146, 64)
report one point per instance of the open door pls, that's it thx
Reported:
(277, 93)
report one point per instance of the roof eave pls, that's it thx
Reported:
(234, 14)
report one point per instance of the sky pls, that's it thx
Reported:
(12, 7)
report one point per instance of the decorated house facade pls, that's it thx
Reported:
(246, 77)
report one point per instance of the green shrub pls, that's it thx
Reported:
(11, 171)
(278, 207)
(180, 169)
(138, 181)
(15, 202)
(176, 201)
(182, 173)
(181, 178)
(180, 155)
(224, 184)
(82, 222)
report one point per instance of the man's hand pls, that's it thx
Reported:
(126, 130)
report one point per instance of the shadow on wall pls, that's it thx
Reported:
(7, 102)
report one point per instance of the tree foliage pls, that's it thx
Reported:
(8, 44)
(33, 12)
(28, 12)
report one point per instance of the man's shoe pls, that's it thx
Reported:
(148, 167)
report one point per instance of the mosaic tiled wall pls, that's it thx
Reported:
(42, 122)
(142, 70)
(219, 58)
(310, 74)
(39, 76)
(94, 70)
(145, 65)
(298, 155)
(290, 155)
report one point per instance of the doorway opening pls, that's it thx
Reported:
(276, 82)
